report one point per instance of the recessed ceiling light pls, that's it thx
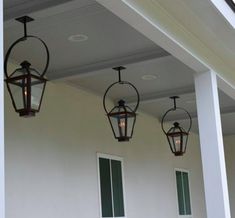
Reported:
(77, 38)
(149, 77)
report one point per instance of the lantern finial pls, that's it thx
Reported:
(25, 64)
(176, 124)
(121, 103)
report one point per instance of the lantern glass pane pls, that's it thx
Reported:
(122, 125)
(177, 138)
(171, 143)
(19, 72)
(18, 91)
(37, 87)
(130, 125)
(122, 120)
(118, 123)
(177, 143)
(185, 141)
(34, 72)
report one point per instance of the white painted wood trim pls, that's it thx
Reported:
(212, 148)
(190, 192)
(2, 147)
(225, 10)
(109, 156)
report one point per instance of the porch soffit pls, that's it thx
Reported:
(163, 29)
(199, 52)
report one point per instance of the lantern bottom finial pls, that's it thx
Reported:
(179, 153)
(123, 139)
(27, 114)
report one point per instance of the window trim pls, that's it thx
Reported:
(111, 157)
(189, 184)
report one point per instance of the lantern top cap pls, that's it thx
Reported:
(121, 103)
(176, 124)
(25, 64)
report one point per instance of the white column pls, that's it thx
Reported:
(212, 148)
(2, 154)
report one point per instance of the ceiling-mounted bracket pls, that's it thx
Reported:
(174, 99)
(119, 72)
(25, 20)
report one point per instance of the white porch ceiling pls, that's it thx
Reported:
(111, 42)
(172, 78)
(16, 8)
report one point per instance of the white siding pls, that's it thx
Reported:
(51, 167)
(229, 146)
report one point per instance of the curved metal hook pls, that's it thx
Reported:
(121, 82)
(174, 109)
(23, 39)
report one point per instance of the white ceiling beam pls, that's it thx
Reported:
(172, 118)
(223, 111)
(156, 96)
(94, 68)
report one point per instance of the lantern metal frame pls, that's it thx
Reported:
(27, 111)
(176, 125)
(121, 103)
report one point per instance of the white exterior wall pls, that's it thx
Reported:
(229, 145)
(51, 167)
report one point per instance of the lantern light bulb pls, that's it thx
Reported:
(122, 124)
(177, 142)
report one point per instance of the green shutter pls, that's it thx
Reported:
(186, 194)
(117, 188)
(180, 193)
(183, 193)
(105, 187)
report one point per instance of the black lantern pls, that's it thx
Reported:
(26, 85)
(177, 136)
(121, 117)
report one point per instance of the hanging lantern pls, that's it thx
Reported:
(177, 136)
(121, 117)
(25, 85)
